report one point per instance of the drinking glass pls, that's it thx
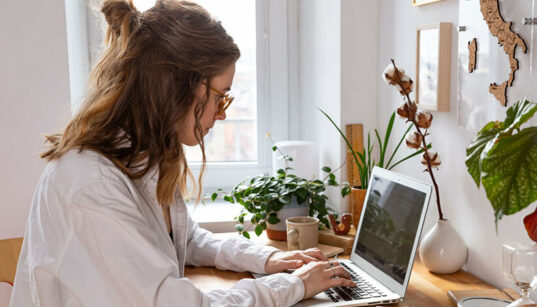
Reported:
(520, 268)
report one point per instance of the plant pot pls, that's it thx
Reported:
(279, 231)
(442, 249)
(357, 203)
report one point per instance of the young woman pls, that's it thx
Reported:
(108, 225)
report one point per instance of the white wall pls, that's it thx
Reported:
(337, 69)
(34, 97)
(359, 56)
(320, 80)
(463, 204)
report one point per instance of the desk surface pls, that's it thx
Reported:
(425, 288)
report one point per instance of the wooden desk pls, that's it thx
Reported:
(425, 288)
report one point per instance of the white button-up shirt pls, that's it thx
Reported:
(97, 238)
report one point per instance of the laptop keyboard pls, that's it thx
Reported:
(363, 289)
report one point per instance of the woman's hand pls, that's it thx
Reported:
(319, 276)
(281, 261)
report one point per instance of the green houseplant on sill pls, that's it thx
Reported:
(365, 161)
(503, 157)
(264, 197)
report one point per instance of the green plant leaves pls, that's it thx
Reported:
(364, 160)
(509, 172)
(258, 230)
(473, 152)
(345, 191)
(229, 199)
(506, 163)
(273, 219)
(285, 200)
(264, 195)
(346, 141)
(519, 114)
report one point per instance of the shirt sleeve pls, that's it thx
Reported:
(236, 253)
(112, 258)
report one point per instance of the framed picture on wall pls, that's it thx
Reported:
(423, 2)
(433, 66)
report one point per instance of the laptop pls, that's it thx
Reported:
(385, 245)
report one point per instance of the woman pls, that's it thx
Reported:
(108, 225)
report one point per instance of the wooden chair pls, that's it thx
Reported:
(9, 256)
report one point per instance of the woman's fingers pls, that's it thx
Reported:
(337, 271)
(332, 264)
(341, 282)
(321, 275)
(305, 258)
(316, 253)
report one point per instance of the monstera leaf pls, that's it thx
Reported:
(504, 159)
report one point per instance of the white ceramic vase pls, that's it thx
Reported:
(442, 249)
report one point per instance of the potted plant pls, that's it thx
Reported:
(365, 162)
(503, 158)
(271, 199)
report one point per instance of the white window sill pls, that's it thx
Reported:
(216, 216)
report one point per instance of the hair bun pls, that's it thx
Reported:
(121, 16)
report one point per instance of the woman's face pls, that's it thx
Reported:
(222, 83)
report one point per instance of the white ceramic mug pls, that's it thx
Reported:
(302, 232)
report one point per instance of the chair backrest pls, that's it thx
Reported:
(9, 256)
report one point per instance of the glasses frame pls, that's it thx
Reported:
(226, 100)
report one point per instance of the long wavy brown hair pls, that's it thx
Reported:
(143, 87)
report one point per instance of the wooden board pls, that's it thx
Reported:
(355, 135)
(345, 242)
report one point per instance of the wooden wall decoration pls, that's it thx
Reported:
(355, 135)
(433, 66)
(472, 55)
(507, 38)
(500, 92)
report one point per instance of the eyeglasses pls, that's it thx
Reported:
(225, 102)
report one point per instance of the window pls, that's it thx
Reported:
(236, 148)
(235, 139)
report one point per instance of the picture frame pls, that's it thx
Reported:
(433, 66)
(423, 2)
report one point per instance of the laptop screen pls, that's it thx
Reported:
(389, 226)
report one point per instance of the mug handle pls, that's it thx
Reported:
(292, 237)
